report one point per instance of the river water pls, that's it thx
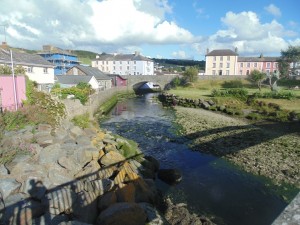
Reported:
(210, 185)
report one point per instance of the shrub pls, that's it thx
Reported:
(232, 84)
(82, 121)
(275, 95)
(239, 93)
(14, 120)
(253, 116)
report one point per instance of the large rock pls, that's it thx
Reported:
(85, 208)
(153, 216)
(43, 138)
(126, 193)
(81, 157)
(76, 131)
(99, 186)
(3, 170)
(70, 164)
(60, 201)
(90, 171)
(123, 213)
(154, 161)
(34, 187)
(9, 186)
(58, 175)
(50, 154)
(107, 200)
(170, 176)
(112, 158)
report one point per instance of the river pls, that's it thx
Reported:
(210, 185)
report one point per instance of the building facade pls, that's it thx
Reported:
(124, 64)
(36, 67)
(104, 81)
(267, 65)
(221, 62)
(62, 59)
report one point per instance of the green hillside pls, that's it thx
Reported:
(85, 57)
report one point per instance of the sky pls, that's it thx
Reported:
(177, 29)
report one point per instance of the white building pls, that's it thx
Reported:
(36, 67)
(124, 64)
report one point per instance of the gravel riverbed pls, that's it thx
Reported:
(268, 149)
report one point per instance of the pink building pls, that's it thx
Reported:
(12, 93)
(267, 65)
(118, 81)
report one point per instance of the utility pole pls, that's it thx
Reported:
(4, 27)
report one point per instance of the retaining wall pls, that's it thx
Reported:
(75, 108)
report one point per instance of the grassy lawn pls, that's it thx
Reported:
(203, 88)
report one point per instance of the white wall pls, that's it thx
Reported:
(39, 76)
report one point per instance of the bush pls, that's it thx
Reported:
(232, 84)
(239, 93)
(14, 120)
(253, 116)
(82, 121)
(275, 95)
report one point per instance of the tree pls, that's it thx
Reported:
(191, 74)
(19, 70)
(258, 77)
(291, 56)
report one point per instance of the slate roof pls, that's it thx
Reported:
(122, 57)
(258, 59)
(25, 59)
(222, 52)
(69, 79)
(92, 71)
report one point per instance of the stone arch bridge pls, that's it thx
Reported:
(137, 81)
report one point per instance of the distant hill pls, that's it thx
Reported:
(180, 62)
(85, 57)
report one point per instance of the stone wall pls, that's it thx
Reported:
(74, 107)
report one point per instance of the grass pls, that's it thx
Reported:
(203, 88)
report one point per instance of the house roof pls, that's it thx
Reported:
(222, 52)
(69, 79)
(117, 75)
(22, 58)
(92, 71)
(122, 57)
(258, 59)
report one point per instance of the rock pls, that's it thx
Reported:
(85, 208)
(109, 141)
(51, 219)
(9, 186)
(170, 176)
(50, 154)
(105, 172)
(205, 105)
(44, 127)
(92, 152)
(99, 186)
(3, 170)
(44, 139)
(126, 193)
(34, 187)
(60, 201)
(81, 157)
(76, 186)
(21, 210)
(154, 162)
(70, 164)
(74, 222)
(2, 209)
(58, 175)
(112, 158)
(122, 213)
(90, 171)
(153, 216)
(76, 131)
(83, 140)
(107, 200)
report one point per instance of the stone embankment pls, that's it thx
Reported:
(80, 176)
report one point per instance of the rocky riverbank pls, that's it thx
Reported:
(267, 149)
(80, 176)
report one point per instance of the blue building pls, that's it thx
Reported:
(62, 59)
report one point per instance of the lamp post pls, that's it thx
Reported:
(14, 81)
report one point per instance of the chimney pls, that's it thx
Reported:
(136, 53)
(207, 50)
(4, 45)
(236, 50)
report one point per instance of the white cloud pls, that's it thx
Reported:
(181, 55)
(245, 31)
(274, 10)
(104, 25)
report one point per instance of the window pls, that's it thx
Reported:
(268, 72)
(215, 58)
(268, 65)
(214, 65)
(30, 69)
(241, 65)
(255, 65)
(120, 67)
(134, 62)
(241, 72)
(227, 72)
(248, 72)
(45, 70)
(102, 62)
(114, 68)
(128, 62)
(127, 67)
(275, 65)
(106, 62)
(134, 67)
(221, 58)
(228, 58)
(213, 72)
(248, 65)
(120, 62)
(220, 72)
(114, 62)
(221, 65)
(227, 65)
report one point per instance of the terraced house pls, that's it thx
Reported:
(227, 62)
(124, 64)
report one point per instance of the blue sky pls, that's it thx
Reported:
(182, 29)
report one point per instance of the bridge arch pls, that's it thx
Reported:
(161, 80)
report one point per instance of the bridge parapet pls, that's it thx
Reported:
(161, 80)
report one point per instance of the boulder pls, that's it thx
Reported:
(122, 213)
(154, 162)
(70, 164)
(58, 175)
(90, 171)
(44, 138)
(3, 170)
(85, 208)
(81, 157)
(126, 193)
(153, 216)
(107, 200)
(112, 158)
(170, 176)
(99, 186)
(51, 219)
(9, 186)
(76, 131)
(60, 200)
(50, 154)
(44, 127)
(34, 187)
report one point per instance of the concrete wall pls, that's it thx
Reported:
(75, 108)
